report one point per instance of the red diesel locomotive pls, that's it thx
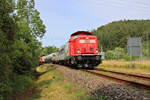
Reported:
(80, 51)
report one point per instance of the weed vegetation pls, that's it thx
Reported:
(142, 67)
(53, 86)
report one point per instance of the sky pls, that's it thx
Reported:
(64, 17)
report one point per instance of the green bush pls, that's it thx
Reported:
(5, 90)
(144, 46)
(109, 54)
(126, 57)
(117, 53)
(21, 83)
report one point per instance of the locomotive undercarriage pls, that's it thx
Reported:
(84, 61)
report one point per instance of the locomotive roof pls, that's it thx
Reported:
(82, 33)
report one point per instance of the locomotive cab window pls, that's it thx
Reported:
(74, 37)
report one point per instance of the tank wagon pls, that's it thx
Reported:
(80, 51)
(55, 59)
(47, 59)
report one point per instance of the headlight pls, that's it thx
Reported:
(96, 50)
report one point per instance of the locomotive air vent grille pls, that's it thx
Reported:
(84, 49)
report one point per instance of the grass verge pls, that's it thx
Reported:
(53, 86)
(142, 67)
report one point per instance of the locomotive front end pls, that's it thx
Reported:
(84, 49)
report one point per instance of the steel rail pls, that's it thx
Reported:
(137, 82)
(146, 76)
(127, 79)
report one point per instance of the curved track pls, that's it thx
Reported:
(137, 79)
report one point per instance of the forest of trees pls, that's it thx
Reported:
(20, 26)
(48, 50)
(115, 34)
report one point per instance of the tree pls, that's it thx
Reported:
(30, 27)
(7, 32)
(20, 27)
(48, 50)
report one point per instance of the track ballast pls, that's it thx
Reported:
(137, 79)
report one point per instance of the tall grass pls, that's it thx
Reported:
(142, 66)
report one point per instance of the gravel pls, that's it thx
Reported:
(120, 92)
(103, 89)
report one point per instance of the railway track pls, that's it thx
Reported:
(137, 79)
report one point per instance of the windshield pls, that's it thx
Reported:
(74, 37)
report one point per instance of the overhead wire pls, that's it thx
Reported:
(121, 4)
(133, 4)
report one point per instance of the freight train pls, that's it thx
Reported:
(47, 59)
(81, 51)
